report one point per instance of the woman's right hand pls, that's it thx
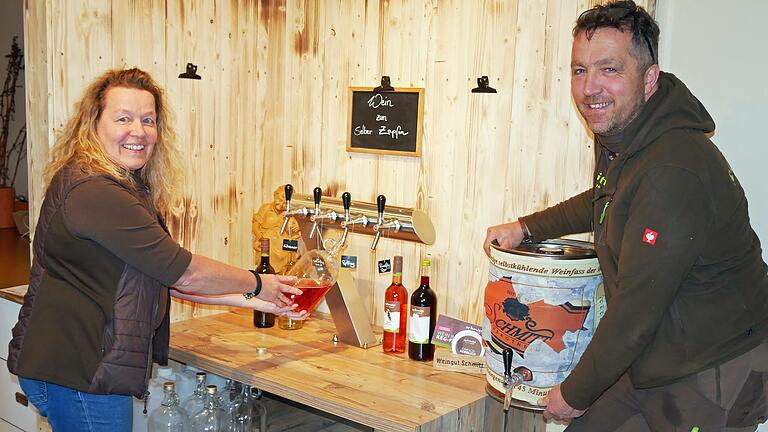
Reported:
(275, 287)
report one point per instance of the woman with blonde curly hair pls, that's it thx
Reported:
(96, 312)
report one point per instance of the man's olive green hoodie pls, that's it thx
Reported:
(685, 283)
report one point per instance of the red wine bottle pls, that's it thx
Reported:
(423, 318)
(264, 319)
(395, 311)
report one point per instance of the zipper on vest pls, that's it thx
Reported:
(148, 373)
(145, 397)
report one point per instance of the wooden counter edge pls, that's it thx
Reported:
(12, 297)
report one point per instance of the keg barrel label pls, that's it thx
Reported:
(516, 325)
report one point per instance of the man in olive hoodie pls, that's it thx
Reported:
(683, 341)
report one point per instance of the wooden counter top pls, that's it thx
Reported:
(386, 392)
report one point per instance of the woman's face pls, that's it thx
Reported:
(127, 127)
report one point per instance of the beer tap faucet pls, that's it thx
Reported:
(346, 200)
(346, 223)
(288, 212)
(381, 202)
(392, 224)
(330, 215)
(317, 192)
(512, 378)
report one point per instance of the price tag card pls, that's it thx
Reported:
(459, 336)
(385, 266)
(290, 245)
(348, 261)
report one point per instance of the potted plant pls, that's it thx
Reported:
(12, 143)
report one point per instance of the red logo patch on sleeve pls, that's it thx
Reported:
(650, 236)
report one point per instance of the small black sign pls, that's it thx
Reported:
(385, 266)
(290, 245)
(386, 122)
(348, 261)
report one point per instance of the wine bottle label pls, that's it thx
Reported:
(419, 325)
(392, 317)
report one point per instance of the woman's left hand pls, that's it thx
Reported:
(237, 300)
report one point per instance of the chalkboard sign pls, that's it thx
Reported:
(386, 122)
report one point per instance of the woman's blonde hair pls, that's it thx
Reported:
(80, 144)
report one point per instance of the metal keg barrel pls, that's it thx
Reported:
(543, 301)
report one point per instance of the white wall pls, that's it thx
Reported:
(718, 49)
(12, 24)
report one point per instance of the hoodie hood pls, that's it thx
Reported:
(673, 106)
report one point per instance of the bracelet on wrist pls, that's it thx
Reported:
(254, 293)
(527, 237)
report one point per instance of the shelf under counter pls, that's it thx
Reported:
(366, 386)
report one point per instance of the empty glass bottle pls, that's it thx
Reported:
(212, 418)
(227, 395)
(194, 403)
(169, 416)
(240, 411)
(257, 409)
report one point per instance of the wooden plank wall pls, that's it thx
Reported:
(272, 108)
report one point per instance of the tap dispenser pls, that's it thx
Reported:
(317, 194)
(401, 223)
(390, 224)
(353, 324)
(512, 378)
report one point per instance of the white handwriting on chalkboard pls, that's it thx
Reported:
(362, 130)
(393, 133)
(380, 117)
(378, 100)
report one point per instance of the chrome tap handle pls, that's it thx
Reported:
(508, 385)
(392, 224)
(288, 194)
(381, 202)
(360, 220)
(346, 200)
(317, 192)
(331, 216)
(513, 378)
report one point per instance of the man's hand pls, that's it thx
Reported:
(508, 235)
(557, 407)
(275, 287)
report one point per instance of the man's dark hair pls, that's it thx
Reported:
(624, 16)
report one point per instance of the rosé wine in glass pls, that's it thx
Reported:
(312, 294)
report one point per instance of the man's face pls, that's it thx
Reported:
(606, 84)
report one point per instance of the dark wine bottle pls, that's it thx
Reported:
(264, 319)
(423, 318)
